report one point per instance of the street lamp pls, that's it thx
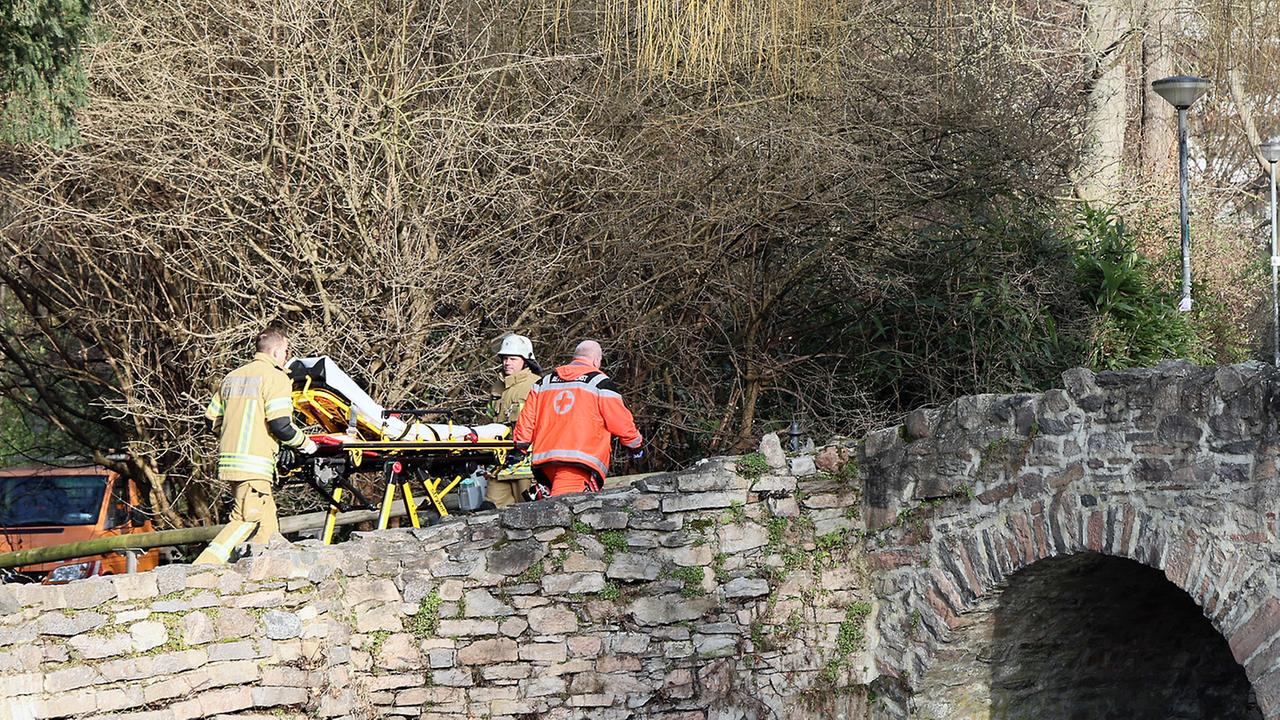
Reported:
(1271, 153)
(1182, 91)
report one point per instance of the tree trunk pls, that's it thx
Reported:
(1099, 176)
(1159, 132)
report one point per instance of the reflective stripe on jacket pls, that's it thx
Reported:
(249, 398)
(569, 417)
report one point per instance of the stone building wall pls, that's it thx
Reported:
(709, 593)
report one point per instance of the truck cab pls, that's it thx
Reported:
(53, 506)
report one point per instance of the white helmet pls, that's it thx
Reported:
(517, 345)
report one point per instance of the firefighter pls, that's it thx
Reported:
(567, 422)
(253, 414)
(519, 372)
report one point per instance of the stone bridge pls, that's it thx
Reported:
(1104, 550)
(1101, 551)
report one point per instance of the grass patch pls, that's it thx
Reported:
(533, 573)
(426, 621)
(691, 577)
(614, 541)
(736, 514)
(610, 592)
(752, 465)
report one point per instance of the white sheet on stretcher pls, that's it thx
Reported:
(370, 411)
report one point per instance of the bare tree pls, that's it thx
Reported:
(721, 203)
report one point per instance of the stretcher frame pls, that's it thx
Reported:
(440, 465)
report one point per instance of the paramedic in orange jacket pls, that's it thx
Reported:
(567, 422)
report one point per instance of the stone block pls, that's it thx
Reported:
(71, 704)
(579, 562)
(703, 501)
(738, 538)
(233, 623)
(467, 628)
(239, 650)
(605, 519)
(552, 620)
(96, 647)
(460, 677)
(633, 566)
(9, 604)
(274, 696)
(743, 587)
(481, 604)
(774, 484)
(715, 646)
(55, 623)
(690, 555)
(506, 671)
(439, 658)
(282, 625)
(83, 594)
(484, 652)
(139, 586)
(667, 609)
(371, 590)
(537, 515)
(771, 449)
(591, 700)
(21, 635)
(399, 652)
(802, 466)
(113, 699)
(552, 652)
(225, 700)
(72, 678)
(513, 627)
(571, 583)
(148, 634)
(388, 618)
(584, 645)
(516, 557)
(197, 629)
(261, 599)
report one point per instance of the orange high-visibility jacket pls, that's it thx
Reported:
(569, 417)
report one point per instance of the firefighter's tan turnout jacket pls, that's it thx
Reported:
(250, 397)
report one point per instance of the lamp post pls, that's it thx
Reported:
(1271, 153)
(1182, 91)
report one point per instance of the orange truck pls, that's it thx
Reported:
(54, 506)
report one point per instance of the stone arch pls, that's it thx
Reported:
(1173, 468)
(969, 566)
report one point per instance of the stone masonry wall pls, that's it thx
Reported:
(710, 593)
(1174, 468)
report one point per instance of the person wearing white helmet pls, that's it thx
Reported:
(519, 372)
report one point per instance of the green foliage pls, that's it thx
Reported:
(426, 621)
(777, 527)
(691, 577)
(736, 514)
(983, 309)
(752, 465)
(610, 592)
(533, 573)
(717, 565)
(42, 82)
(614, 541)
(849, 638)
(1136, 320)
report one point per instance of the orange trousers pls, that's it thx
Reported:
(566, 479)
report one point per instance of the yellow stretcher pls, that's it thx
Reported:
(358, 436)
